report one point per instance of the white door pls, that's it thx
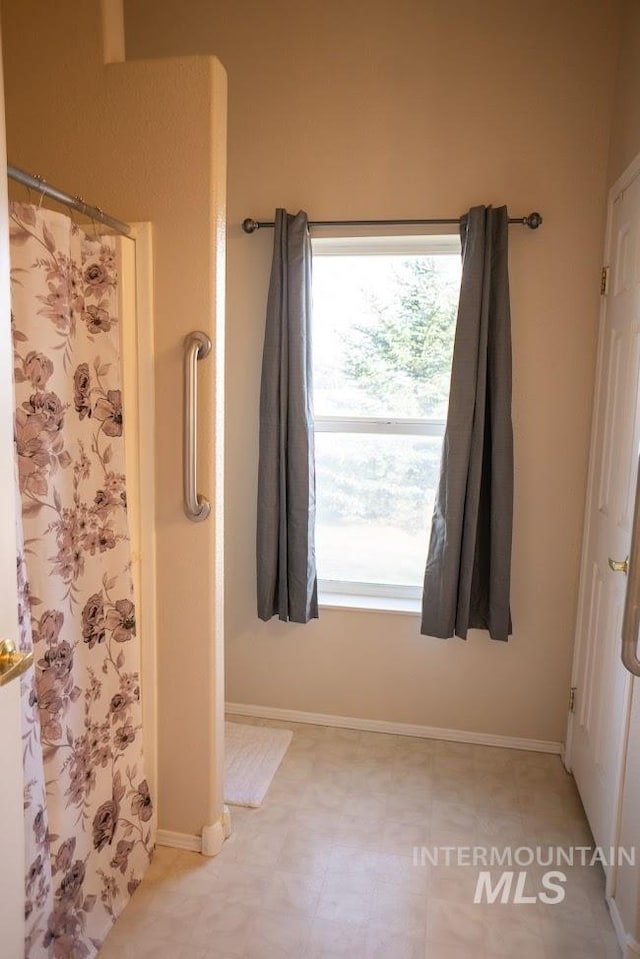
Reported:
(11, 789)
(598, 727)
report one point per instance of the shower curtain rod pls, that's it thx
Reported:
(74, 202)
(533, 221)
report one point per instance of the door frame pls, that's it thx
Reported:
(138, 384)
(12, 846)
(580, 646)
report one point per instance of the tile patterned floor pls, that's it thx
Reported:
(324, 869)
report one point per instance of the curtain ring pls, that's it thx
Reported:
(81, 207)
(95, 224)
(41, 181)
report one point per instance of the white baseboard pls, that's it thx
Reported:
(213, 838)
(399, 729)
(630, 946)
(208, 844)
(179, 840)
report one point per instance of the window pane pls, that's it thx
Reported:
(374, 503)
(383, 334)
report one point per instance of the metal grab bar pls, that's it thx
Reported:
(631, 618)
(196, 347)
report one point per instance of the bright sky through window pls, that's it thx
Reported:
(383, 340)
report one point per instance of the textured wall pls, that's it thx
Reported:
(625, 127)
(409, 108)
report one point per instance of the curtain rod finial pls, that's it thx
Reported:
(250, 226)
(533, 221)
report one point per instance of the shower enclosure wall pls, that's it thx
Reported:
(146, 140)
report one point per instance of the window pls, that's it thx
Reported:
(384, 323)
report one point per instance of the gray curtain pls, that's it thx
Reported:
(286, 566)
(467, 577)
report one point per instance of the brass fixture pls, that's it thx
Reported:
(619, 566)
(12, 662)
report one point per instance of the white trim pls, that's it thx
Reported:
(630, 946)
(12, 898)
(143, 235)
(215, 445)
(213, 837)
(445, 241)
(363, 591)
(616, 919)
(579, 634)
(208, 844)
(579, 651)
(625, 179)
(137, 348)
(178, 840)
(563, 755)
(358, 602)
(622, 183)
(398, 729)
(612, 872)
(401, 426)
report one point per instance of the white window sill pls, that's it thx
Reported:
(378, 604)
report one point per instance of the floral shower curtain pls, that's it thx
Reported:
(87, 805)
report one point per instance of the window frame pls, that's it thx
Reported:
(442, 243)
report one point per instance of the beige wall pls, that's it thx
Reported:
(625, 126)
(146, 141)
(402, 108)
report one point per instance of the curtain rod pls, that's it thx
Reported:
(73, 202)
(533, 221)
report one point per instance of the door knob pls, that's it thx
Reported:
(619, 566)
(12, 662)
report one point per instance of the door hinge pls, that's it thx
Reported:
(604, 281)
(572, 699)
